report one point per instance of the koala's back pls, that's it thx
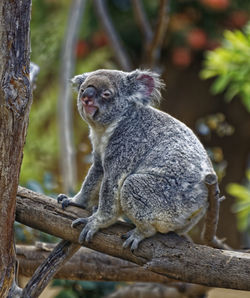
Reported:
(165, 166)
(177, 152)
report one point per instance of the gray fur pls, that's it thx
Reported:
(147, 165)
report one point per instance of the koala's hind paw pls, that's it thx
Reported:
(133, 238)
(88, 231)
(127, 235)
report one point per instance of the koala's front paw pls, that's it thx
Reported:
(88, 231)
(64, 200)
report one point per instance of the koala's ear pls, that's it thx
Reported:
(146, 86)
(77, 81)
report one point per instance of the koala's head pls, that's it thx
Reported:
(103, 95)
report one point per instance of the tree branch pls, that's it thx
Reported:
(114, 40)
(142, 21)
(169, 255)
(83, 265)
(153, 52)
(212, 216)
(46, 271)
(65, 109)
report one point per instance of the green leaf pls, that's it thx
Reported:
(241, 192)
(246, 102)
(231, 64)
(220, 84)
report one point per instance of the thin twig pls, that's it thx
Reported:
(114, 40)
(68, 163)
(161, 28)
(142, 21)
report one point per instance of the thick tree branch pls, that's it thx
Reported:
(114, 40)
(169, 255)
(86, 264)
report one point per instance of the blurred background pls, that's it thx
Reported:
(202, 51)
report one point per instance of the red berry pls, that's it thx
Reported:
(197, 39)
(219, 5)
(181, 57)
(82, 49)
(99, 39)
(238, 18)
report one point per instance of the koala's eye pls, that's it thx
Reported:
(106, 94)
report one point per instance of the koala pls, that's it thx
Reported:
(147, 165)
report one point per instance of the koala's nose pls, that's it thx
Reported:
(89, 92)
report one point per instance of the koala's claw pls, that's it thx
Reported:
(61, 197)
(127, 235)
(87, 234)
(134, 242)
(79, 221)
(65, 203)
(88, 231)
(64, 200)
(133, 238)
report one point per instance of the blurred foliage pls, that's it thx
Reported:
(231, 63)
(214, 123)
(27, 235)
(196, 26)
(79, 289)
(208, 126)
(242, 205)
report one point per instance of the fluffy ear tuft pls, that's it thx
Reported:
(146, 86)
(77, 81)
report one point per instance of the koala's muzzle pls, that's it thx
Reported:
(89, 92)
(88, 100)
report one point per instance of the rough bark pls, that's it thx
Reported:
(169, 255)
(15, 101)
(86, 264)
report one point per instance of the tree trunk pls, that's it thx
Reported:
(15, 101)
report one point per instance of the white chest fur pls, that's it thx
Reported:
(100, 137)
